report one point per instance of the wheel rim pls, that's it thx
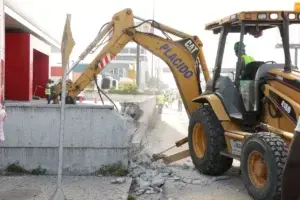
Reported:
(257, 169)
(199, 140)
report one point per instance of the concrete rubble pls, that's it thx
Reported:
(150, 177)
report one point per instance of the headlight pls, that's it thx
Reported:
(262, 16)
(292, 16)
(274, 16)
(298, 16)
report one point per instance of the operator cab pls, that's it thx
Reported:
(242, 96)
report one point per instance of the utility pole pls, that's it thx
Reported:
(292, 46)
(137, 75)
(152, 58)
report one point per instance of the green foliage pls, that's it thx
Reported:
(38, 171)
(125, 88)
(16, 168)
(116, 169)
(131, 197)
(129, 87)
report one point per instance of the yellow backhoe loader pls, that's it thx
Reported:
(253, 124)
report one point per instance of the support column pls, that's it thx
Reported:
(40, 73)
(18, 71)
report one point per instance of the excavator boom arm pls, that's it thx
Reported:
(183, 56)
(118, 40)
(180, 61)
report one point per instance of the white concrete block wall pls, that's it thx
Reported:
(94, 135)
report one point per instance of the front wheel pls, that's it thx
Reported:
(206, 140)
(262, 162)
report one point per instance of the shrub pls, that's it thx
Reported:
(117, 169)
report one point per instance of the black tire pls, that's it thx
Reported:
(212, 163)
(274, 151)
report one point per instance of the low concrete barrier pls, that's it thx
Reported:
(94, 135)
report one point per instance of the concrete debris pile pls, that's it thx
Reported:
(131, 109)
(150, 177)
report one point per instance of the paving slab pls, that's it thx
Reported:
(74, 188)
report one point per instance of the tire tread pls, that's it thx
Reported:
(279, 151)
(216, 164)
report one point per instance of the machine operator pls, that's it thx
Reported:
(246, 59)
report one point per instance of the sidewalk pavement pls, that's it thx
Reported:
(176, 119)
(74, 188)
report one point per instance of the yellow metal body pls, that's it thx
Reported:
(275, 91)
(283, 87)
(283, 90)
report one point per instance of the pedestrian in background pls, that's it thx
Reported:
(2, 119)
(160, 102)
(48, 90)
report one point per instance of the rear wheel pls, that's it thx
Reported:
(262, 163)
(206, 140)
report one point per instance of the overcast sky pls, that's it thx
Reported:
(189, 16)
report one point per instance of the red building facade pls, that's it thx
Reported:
(27, 66)
(24, 70)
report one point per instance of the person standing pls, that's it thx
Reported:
(2, 119)
(160, 102)
(48, 91)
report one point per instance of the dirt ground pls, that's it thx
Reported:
(170, 127)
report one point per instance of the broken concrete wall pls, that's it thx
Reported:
(142, 112)
(94, 135)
